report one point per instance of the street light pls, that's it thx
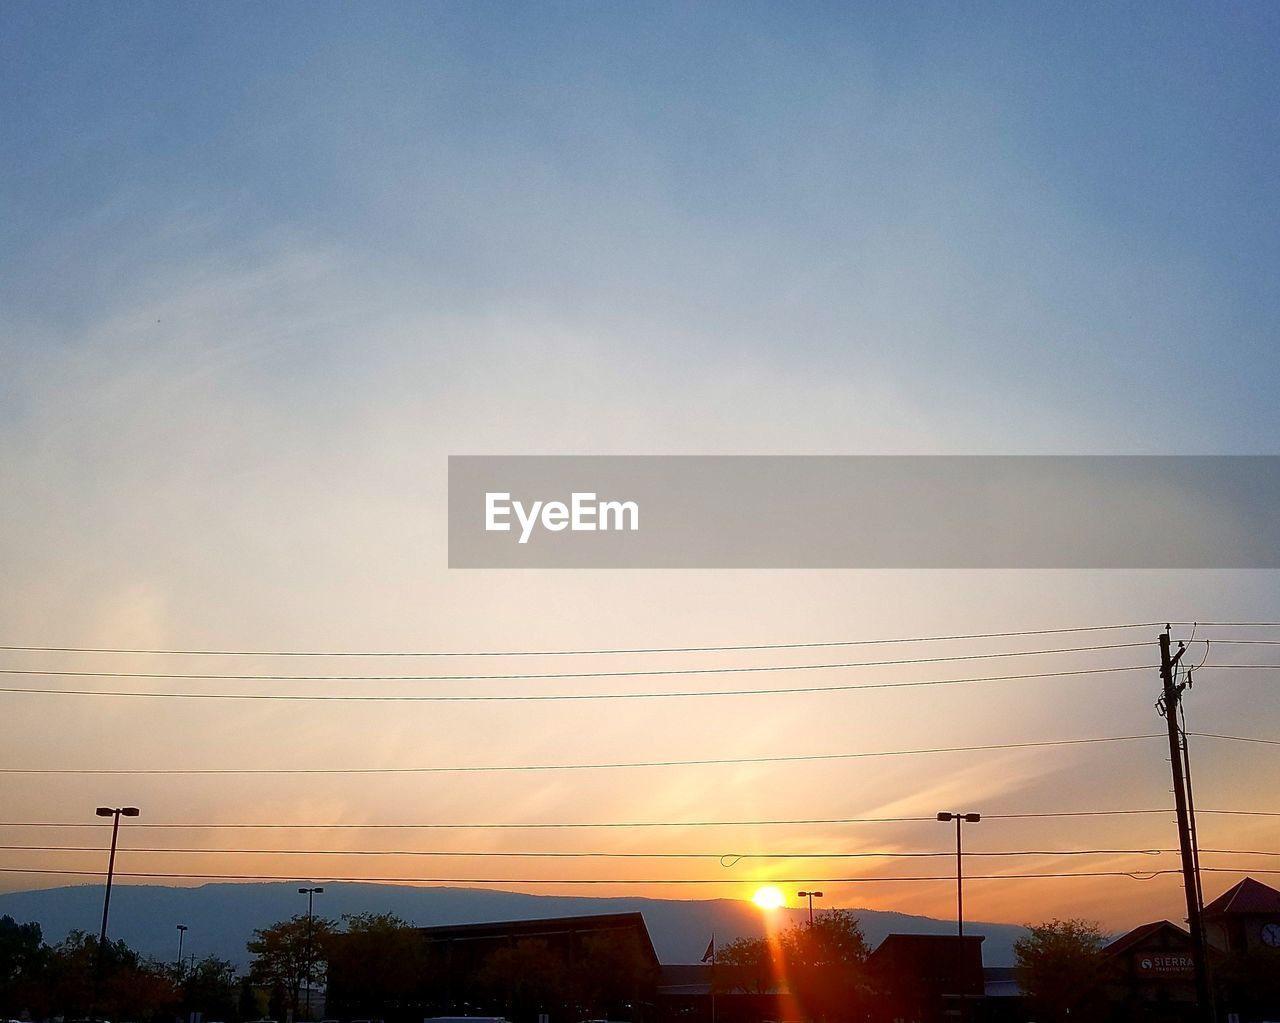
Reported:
(810, 896)
(310, 893)
(116, 813)
(182, 933)
(959, 818)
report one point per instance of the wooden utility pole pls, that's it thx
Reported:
(1190, 878)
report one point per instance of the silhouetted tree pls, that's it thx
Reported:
(747, 965)
(72, 977)
(22, 960)
(381, 959)
(119, 985)
(278, 1001)
(209, 988)
(1061, 968)
(826, 965)
(288, 953)
(248, 1007)
(144, 991)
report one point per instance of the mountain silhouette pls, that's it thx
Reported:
(222, 917)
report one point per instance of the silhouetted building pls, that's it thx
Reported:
(1153, 972)
(1244, 918)
(1242, 926)
(468, 946)
(570, 968)
(927, 978)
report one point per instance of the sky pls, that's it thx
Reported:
(266, 267)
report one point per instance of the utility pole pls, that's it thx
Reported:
(1168, 706)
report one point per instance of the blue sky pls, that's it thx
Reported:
(1084, 193)
(266, 266)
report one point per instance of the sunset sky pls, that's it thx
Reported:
(265, 267)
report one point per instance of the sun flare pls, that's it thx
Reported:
(769, 897)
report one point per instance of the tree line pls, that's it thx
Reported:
(389, 969)
(76, 978)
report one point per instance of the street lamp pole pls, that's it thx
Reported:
(310, 893)
(116, 813)
(960, 818)
(810, 896)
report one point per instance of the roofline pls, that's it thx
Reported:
(559, 924)
(1130, 937)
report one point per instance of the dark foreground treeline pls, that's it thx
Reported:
(75, 979)
(379, 967)
(374, 965)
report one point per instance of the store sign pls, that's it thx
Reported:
(1163, 964)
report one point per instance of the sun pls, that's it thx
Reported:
(769, 897)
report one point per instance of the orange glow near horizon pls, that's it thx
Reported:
(703, 831)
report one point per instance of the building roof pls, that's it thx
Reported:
(546, 928)
(946, 965)
(1246, 898)
(924, 944)
(1141, 934)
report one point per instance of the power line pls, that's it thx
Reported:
(797, 758)
(799, 821)
(468, 827)
(1137, 875)
(1235, 738)
(524, 854)
(1219, 625)
(558, 697)
(578, 652)
(528, 676)
(1240, 642)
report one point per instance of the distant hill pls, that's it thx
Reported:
(221, 917)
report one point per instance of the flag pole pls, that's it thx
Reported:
(713, 977)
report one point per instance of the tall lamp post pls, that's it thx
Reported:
(310, 893)
(116, 813)
(182, 933)
(810, 896)
(960, 818)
